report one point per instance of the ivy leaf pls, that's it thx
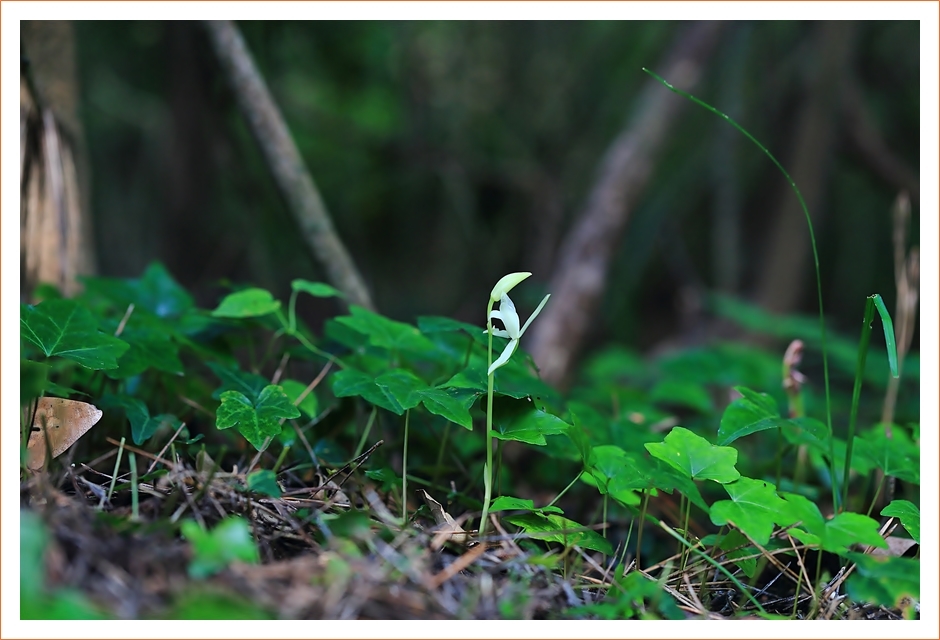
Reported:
(143, 425)
(350, 382)
(66, 329)
(156, 291)
(909, 515)
(402, 388)
(509, 503)
(386, 333)
(259, 421)
(556, 528)
(522, 421)
(452, 404)
(316, 289)
(754, 508)
(248, 303)
(695, 456)
(233, 379)
(148, 348)
(835, 535)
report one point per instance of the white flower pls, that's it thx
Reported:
(507, 313)
(506, 283)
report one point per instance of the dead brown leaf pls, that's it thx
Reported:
(59, 422)
(445, 523)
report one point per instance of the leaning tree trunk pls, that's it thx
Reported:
(55, 230)
(580, 275)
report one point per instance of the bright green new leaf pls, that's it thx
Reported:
(450, 403)
(66, 329)
(888, 327)
(264, 481)
(909, 515)
(750, 413)
(316, 289)
(556, 528)
(230, 541)
(754, 508)
(259, 421)
(695, 456)
(248, 303)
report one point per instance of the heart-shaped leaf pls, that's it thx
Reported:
(836, 535)
(248, 303)
(695, 456)
(259, 421)
(309, 405)
(754, 508)
(750, 413)
(909, 515)
(66, 329)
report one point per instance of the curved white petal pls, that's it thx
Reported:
(535, 313)
(506, 283)
(500, 333)
(503, 357)
(509, 316)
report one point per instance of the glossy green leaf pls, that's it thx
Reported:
(750, 413)
(248, 303)
(386, 333)
(147, 349)
(909, 515)
(754, 508)
(695, 456)
(450, 403)
(522, 421)
(350, 382)
(309, 405)
(556, 528)
(316, 289)
(259, 421)
(66, 329)
(228, 542)
(837, 534)
(264, 481)
(402, 388)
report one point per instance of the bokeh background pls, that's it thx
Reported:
(450, 153)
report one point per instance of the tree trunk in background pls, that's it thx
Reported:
(783, 274)
(578, 281)
(55, 230)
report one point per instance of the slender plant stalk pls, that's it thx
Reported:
(565, 490)
(639, 533)
(812, 238)
(404, 472)
(856, 393)
(365, 434)
(117, 463)
(135, 500)
(488, 467)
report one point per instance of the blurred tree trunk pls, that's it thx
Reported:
(55, 231)
(780, 282)
(578, 281)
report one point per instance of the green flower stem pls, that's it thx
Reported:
(565, 490)
(404, 473)
(488, 467)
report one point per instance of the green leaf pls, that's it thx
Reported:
(233, 379)
(754, 508)
(316, 289)
(452, 404)
(576, 433)
(750, 413)
(155, 291)
(259, 421)
(440, 324)
(148, 348)
(735, 544)
(309, 405)
(683, 393)
(264, 481)
(556, 528)
(230, 541)
(888, 327)
(66, 329)
(143, 425)
(884, 580)
(835, 535)
(350, 382)
(695, 456)
(34, 378)
(509, 503)
(402, 388)
(522, 421)
(909, 515)
(386, 333)
(896, 456)
(248, 303)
